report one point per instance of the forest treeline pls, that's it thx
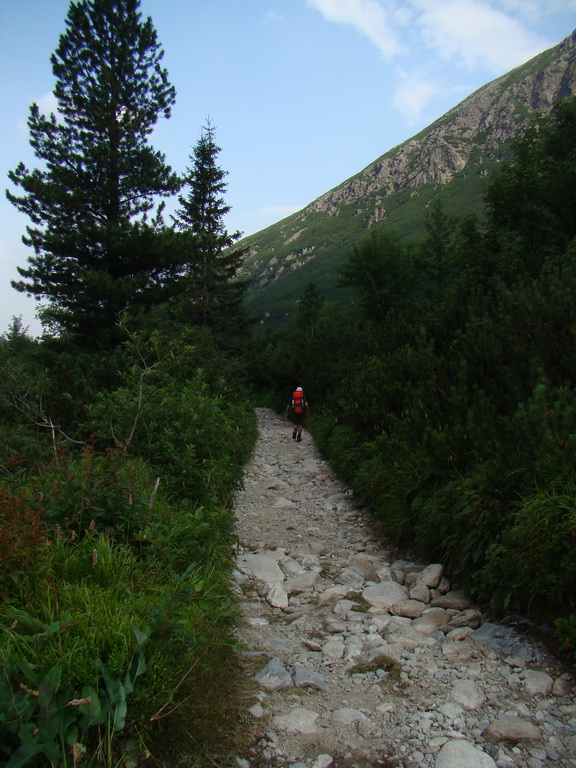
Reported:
(123, 429)
(444, 393)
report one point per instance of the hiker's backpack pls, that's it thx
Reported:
(298, 402)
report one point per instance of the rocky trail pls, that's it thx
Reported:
(364, 657)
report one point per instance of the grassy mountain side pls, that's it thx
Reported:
(451, 161)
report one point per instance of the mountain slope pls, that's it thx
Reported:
(451, 160)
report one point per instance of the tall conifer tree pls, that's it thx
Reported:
(95, 252)
(213, 294)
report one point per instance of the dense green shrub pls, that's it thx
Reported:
(115, 571)
(452, 412)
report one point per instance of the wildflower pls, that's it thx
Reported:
(91, 526)
(78, 702)
(94, 558)
(27, 690)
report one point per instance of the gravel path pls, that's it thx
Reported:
(364, 657)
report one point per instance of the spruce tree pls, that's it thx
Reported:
(96, 253)
(213, 295)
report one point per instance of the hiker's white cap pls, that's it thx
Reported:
(298, 389)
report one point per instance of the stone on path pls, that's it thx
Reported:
(261, 566)
(510, 728)
(384, 595)
(538, 683)
(374, 656)
(298, 720)
(308, 678)
(468, 694)
(274, 676)
(410, 609)
(456, 600)
(431, 575)
(348, 716)
(277, 596)
(461, 754)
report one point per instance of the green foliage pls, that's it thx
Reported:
(104, 491)
(95, 251)
(445, 396)
(23, 543)
(115, 571)
(212, 296)
(532, 567)
(566, 632)
(40, 714)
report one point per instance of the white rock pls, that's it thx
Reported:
(336, 592)
(410, 609)
(277, 596)
(257, 711)
(384, 573)
(348, 716)
(343, 608)
(510, 728)
(461, 754)
(274, 676)
(384, 595)
(439, 616)
(393, 651)
(351, 578)
(298, 720)
(291, 567)
(308, 678)
(419, 592)
(456, 651)
(334, 648)
(366, 565)
(305, 582)
(537, 683)
(262, 567)
(431, 575)
(425, 626)
(468, 694)
(282, 502)
(323, 761)
(451, 710)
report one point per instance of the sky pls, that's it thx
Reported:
(303, 94)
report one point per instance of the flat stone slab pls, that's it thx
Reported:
(459, 753)
(274, 676)
(262, 567)
(298, 720)
(384, 595)
(510, 728)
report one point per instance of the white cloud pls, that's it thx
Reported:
(536, 9)
(277, 210)
(369, 17)
(413, 92)
(47, 104)
(474, 34)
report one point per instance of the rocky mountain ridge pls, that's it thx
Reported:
(496, 111)
(454, 156)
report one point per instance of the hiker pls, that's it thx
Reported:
(300, 410)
